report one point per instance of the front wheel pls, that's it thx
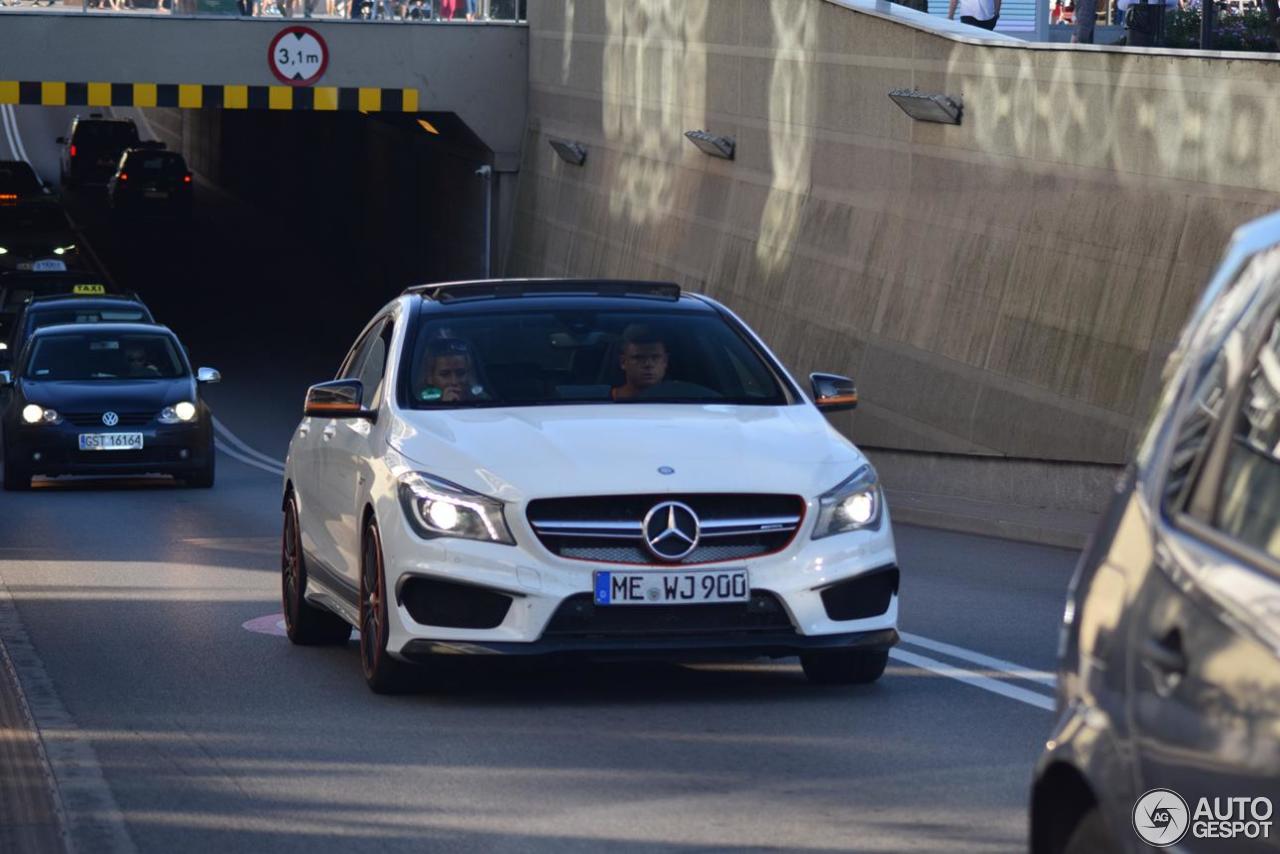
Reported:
(384, 674)
(304, 623)
(16, 479)
(203, 477)
(844, 666)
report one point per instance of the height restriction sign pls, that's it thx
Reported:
(298, 56)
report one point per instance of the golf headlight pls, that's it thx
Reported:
(437, 508)
(852, 505)
(33, 414)
(179, 413)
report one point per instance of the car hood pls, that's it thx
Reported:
(101, 395)
(523, 453)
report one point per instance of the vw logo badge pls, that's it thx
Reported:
(110, 419)
(666, 470)
(671, 530)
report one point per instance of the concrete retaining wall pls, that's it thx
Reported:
(1006, 287)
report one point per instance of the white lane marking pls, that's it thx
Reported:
(91, 818)
(247, 460)
(9, 131)
(242, 446)
(15, 138)
(977, 680)
(1016, 671)
(8, 134)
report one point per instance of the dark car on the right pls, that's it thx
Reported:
(92, 147)
(1168, 716)
(151, 180)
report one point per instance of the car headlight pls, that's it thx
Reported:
(3, 251)
(854, 504)
(63, 250)
(179, 413)
(34, 414)
(437, 508)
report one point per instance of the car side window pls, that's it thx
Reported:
(1247, 508)
(350, 369)
(375, 363)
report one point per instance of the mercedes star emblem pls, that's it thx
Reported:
(110, 419)
(671, 530)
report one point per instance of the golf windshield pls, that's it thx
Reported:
(544, 357)
(104, 356)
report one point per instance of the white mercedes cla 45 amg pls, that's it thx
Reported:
(597, 468)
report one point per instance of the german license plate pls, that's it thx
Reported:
(111, 441)
(671, 588)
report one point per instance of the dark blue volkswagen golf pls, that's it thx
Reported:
(106, 399)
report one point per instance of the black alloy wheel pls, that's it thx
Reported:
(844, 666)
(305, 624)
(384, 674)
(203, 478)
(16, 478)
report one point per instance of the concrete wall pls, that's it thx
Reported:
(477, 71)
(1009, 286)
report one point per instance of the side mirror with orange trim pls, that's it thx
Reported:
(833, 393)
(337, 399)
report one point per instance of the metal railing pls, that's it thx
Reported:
(410, 11)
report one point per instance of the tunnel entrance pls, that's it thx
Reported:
(303, 225)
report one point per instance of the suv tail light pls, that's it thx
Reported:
(186, 179)
(124, 176)
(73, 151)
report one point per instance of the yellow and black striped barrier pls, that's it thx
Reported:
(195, 96)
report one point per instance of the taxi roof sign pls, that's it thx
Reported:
(86, 289)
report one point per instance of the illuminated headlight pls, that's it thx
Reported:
(63, 250)
(437, 508)
(852, 505)
(3, 346)
(33, 414)
(178, 413)
(3, 251)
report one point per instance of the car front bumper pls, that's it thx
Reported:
(552, 612)
(177, 449)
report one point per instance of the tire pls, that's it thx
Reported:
(15, 479)
(203, 479)
(1090, 836)
(844, 666)
(304, 623)
(383, 674)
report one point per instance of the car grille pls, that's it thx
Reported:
(579, 617)
(609, 529)
(94, 419)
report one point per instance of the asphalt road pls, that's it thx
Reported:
(171, 726)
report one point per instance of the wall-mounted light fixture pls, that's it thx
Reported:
(928, 106)
(573, 153)
(709, 143)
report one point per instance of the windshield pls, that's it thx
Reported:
(104, 356)
(584, 356)
(55, 317)
(107, 134)
(17, 177)
(162, 165)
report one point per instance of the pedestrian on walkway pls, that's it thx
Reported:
(976, 13)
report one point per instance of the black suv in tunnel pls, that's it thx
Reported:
(92, 147)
